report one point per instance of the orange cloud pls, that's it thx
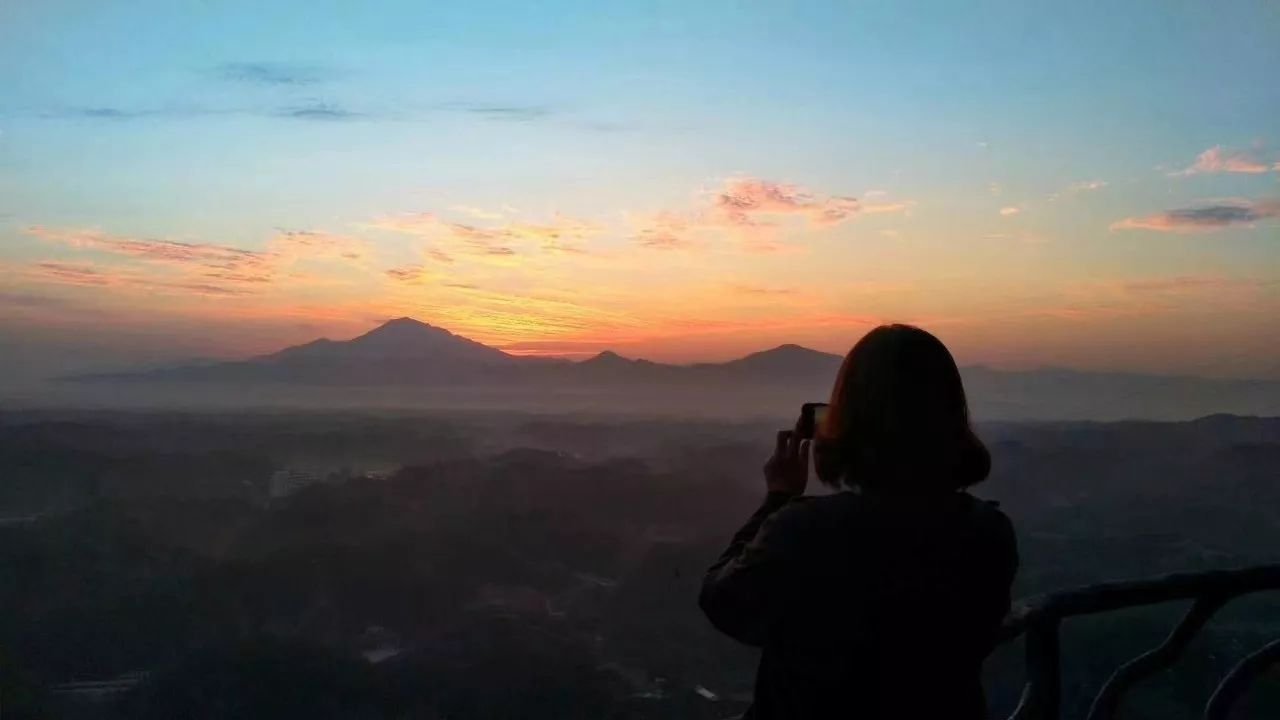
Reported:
(199, 268)
(310, 245)
(751, 210)
(562, 235)
(161, 251)
(664, 231)
(408, 274)
(761, 291)
(743, 201)
(68, 274)
(1218, 159)
(84, 275)
(660, 240)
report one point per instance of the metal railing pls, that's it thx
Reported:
(1039, 617)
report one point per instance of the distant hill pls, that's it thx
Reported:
(405, 351)
(784, 360)
(405, 362)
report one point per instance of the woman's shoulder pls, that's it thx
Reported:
(992, 529)
(840, 508)
(819, 505)
(987, 512)
(807, 514)
(819, 513)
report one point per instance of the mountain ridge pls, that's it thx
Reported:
(404, 345)
(401, 338)
(408, 361)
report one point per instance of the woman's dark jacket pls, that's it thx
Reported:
(866, 606)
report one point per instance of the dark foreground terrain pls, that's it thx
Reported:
(379, 566)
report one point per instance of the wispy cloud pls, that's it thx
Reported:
(1078, 188)
(479, 213)
(1086, 186)
(272, 73)
(310, 110)
(562, 234)
(198, 268)
(295, 91)
(69, 274)
(1009, 210)
(113, 113)
(286, 246)
(664, 231)
(289, 245)
(411, 274)
(31, 300)
(1219, 159)
(100, 113)
(661, 239)
(744, 201)
(1204, 218)
(761, 291)
(507, 113)
(888, 207)
(165, 251)
(1151, 296)
(752, 211)
(86, 275)
(295, 107)
(319, 111)
(1189, 283)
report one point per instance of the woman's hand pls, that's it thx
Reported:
(787, 471)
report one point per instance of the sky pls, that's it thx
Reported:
(1091, 185)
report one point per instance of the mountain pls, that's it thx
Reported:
(403, 350)
(782, 361)
(408, 338)
(405, 362)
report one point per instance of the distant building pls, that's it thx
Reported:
(289, 481)
(99, 691)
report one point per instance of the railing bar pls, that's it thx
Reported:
(1039, 618)
(1116, 595)
(1021, 712)
(1044, 671)
(1239, 679)
(1127, 675)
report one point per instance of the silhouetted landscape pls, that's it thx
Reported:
(405, 363)
(496, 565)
(569, 360)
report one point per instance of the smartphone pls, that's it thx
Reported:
(812, 415)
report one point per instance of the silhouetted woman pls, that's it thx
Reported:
(880, 601)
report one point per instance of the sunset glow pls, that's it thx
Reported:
(682, 185)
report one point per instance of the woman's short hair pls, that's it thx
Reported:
(899, 420)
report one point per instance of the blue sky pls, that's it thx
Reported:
(1046, 183)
